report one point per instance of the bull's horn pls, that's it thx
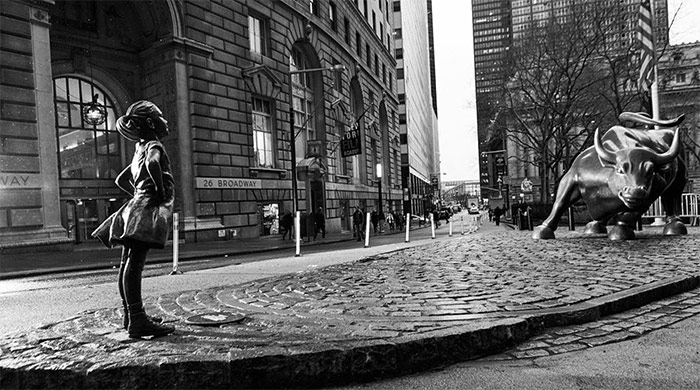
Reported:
(603, 153)
(643, 118)
(671, 153)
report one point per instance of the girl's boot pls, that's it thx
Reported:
(141, 326)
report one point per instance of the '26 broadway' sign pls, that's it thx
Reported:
(226, 183)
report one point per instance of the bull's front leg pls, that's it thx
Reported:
(567, 194)
(624, 227)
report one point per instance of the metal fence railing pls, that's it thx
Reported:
(689, 208)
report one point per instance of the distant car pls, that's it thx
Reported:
(456, 209)
(473, 209)
(445, 213)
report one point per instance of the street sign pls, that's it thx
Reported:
(350, 144)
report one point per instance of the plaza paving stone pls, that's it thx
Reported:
(501, 295)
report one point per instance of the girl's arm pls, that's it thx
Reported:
(154, 170)
(123, 181)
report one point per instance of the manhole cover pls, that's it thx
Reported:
(214, 318)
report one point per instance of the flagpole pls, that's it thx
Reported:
(655, 112)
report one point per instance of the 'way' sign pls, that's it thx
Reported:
(20, 180)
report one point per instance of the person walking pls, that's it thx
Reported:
(374, 218)
(497, 212)
(144, 221)
(357, 223)
(320, 220)
(286, 223)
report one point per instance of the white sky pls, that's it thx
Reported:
(459, 151)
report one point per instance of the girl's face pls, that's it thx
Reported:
(160, 124)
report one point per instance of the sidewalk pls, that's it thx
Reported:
(94, 255)
(390, 314)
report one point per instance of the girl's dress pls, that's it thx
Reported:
(146, 218)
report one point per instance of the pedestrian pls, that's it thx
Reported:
(374, 218)
(320, 220)
(390, 221)
(357, 223)
(497, 212)
(144, 221)
(286, 223)
(436, 218)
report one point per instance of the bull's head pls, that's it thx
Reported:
(635, 169)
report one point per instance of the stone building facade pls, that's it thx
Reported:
(225, 74)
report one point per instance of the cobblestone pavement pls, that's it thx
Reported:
(386, 315)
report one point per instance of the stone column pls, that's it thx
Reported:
(46, 128)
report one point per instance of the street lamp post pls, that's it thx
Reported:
(334, 68)
(379, 189)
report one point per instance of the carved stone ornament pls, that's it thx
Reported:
(260, 80)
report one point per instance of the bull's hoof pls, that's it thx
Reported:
(543, 232)
(675, 227)
(621, 233)
(595, 227)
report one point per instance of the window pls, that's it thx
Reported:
(374, 22)
(313, 7)
(332, 16)
(399, 73)
(358, 41)
(263, 145)
(257, 35)
(397, 33)
(397, 6)
(347, 31)
(364, 3)
(85, 151)
(369, 55)
(402, 98)
(376, 65)
(399, 53)
(680, 78)
(384, 73)
(303, 103)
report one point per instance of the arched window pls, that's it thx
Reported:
(303, 99)
(84, 151)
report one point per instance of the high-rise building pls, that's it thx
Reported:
(420, 162)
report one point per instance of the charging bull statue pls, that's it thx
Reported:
(621, 175)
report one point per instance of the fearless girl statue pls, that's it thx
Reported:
(144, 221)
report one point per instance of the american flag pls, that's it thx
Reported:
(645, 34)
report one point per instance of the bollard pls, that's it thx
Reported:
(367, 225)
(572, 223)
(297, 233)
(432, 226)
(450, 233)
(176, 244)
(529, 218)
(408, 225)
(461, 218)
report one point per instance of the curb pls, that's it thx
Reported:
(318, 365)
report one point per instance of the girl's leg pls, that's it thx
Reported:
(139, 324)
(122, 265)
